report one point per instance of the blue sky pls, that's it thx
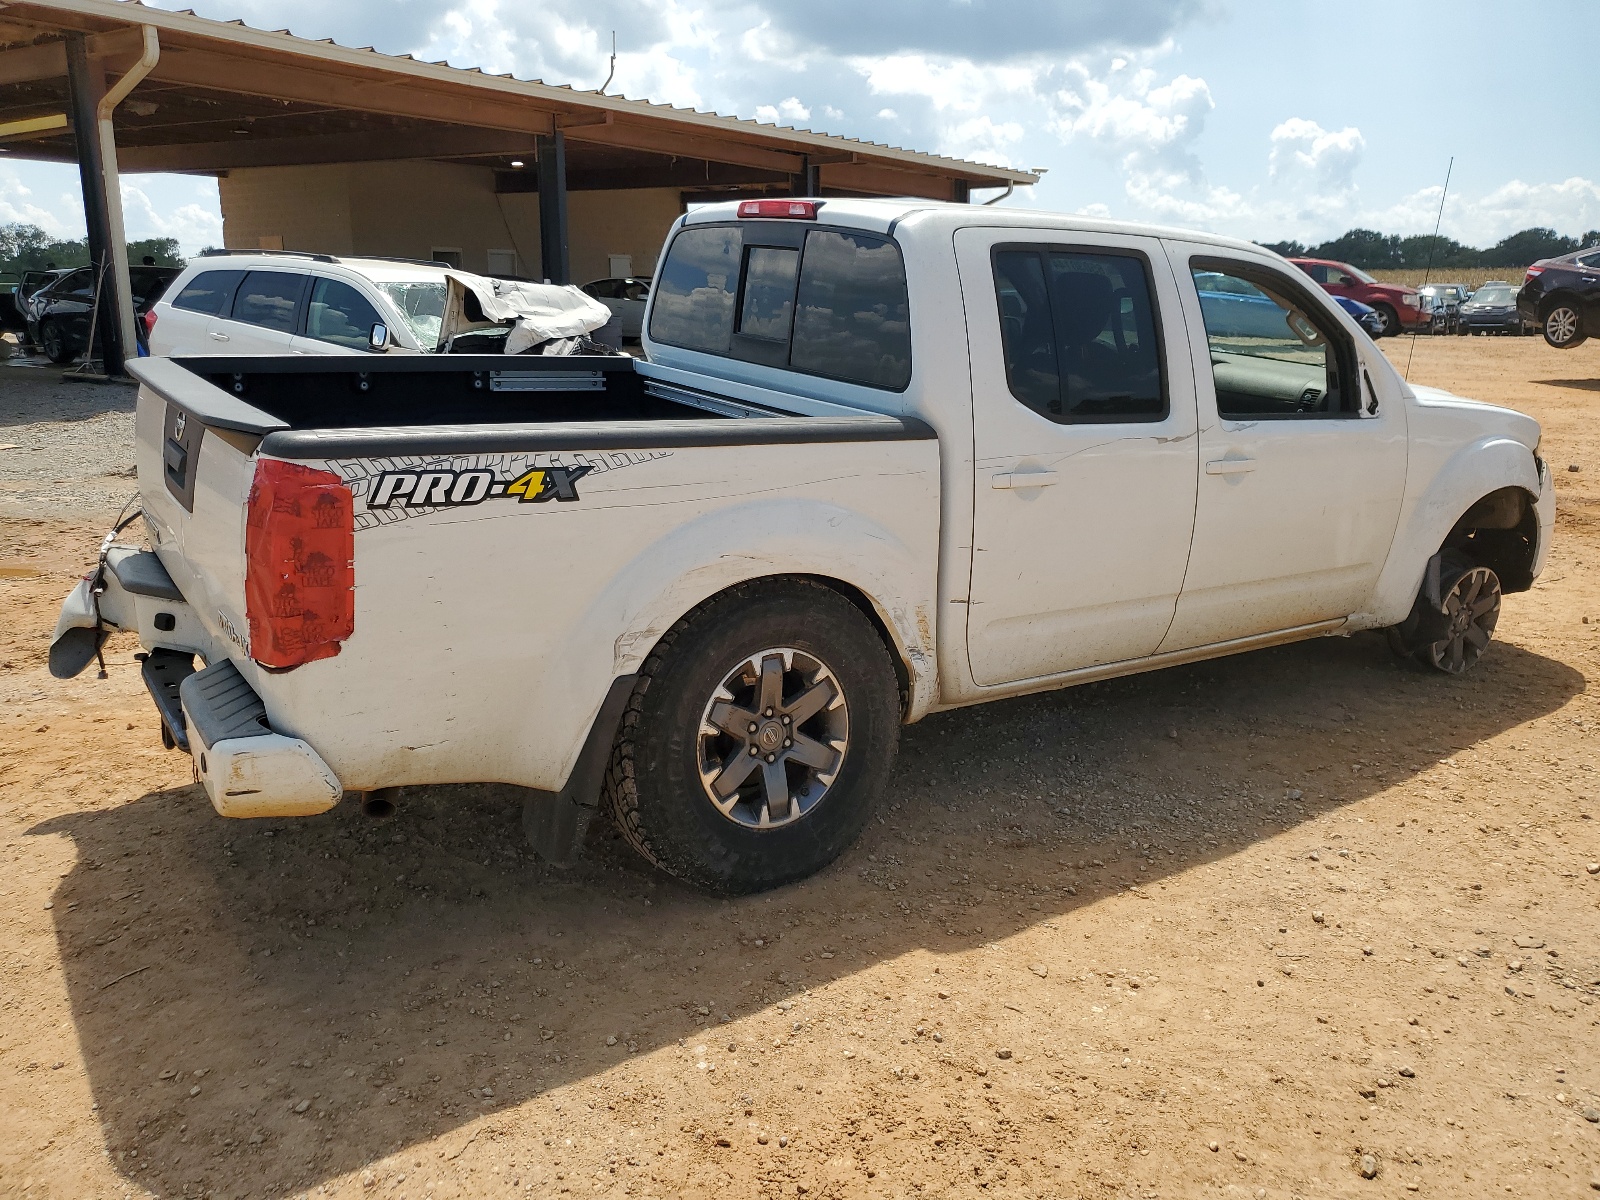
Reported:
(1267, 120)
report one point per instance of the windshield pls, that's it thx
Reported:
(421, 305)
(1493, 295)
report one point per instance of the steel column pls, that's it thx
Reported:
(87, 85)
(553, 208)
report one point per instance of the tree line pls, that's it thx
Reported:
(29, 248)
(1374, 251)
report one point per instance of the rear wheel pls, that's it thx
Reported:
(757, 740)
(1563, 329)
(1390, 319)
(54, 343)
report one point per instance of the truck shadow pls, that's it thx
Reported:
(264, 1006)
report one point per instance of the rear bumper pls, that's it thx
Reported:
(246, 768)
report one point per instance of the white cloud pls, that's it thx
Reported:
(18, 203)
(1301, 147)
(788, 111)
(195, 225)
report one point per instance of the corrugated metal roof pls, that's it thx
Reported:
(283, 41)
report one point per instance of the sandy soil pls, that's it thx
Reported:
(1237, 929)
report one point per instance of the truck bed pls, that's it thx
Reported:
(523, 533)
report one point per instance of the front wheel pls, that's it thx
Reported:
(758, 738)
(1390, 320)
(1562, 327)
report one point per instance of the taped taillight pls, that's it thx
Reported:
(299, 547)
(796, 210)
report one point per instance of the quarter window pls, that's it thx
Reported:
(1273, 353)
(1079, 333)
(210, 292)
(269, 299)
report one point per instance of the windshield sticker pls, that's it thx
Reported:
(392, 489)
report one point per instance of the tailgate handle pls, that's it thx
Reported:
(1230, 466)
(1011, 480)
(176, 458)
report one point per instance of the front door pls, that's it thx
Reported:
(1084, 449)
(1300, 480)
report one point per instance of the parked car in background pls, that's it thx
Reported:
(1366, 316)
(1493, 309)
(626, 298)
(10, 313)
(284, 302)
(1399, 306)
(60, 315)
(1442, 302)
(34, 282)
(1562, 297)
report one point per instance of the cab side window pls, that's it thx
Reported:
(340, 314)
(1274, 353)
(269, 299)
(1079, 332)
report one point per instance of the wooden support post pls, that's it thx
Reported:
(553, 208)
(87, 85)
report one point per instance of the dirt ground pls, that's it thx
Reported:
(1245, 928)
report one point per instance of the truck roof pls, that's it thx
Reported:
(883, 216)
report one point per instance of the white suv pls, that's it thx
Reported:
(290, 303)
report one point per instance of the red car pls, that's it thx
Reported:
(1398, 306)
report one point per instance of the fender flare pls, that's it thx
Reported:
(1471, 473)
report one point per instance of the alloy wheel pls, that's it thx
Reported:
(773, 738)
(1561, 325)
(1470, 610)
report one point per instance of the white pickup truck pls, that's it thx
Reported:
(883, 458)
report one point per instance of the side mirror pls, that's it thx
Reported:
(378, 337)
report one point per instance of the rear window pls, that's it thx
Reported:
(825, 302)
(694, 295)
(269, 299)
(853, 318)
(210, 292)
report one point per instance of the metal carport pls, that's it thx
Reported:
(170, 91)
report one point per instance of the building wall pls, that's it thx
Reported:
(414, 209)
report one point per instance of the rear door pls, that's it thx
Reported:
(1084, 434)
(265, 314)
(184, 316)
(1300, 482)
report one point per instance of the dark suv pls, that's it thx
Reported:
(60, 313)
(1562, 296)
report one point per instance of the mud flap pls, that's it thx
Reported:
(555, 823)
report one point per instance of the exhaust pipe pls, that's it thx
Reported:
(379, 804)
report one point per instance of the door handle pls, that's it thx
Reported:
(1024, 479)
(1230, 466)
(219, 337)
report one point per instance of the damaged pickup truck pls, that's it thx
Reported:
(882, 459)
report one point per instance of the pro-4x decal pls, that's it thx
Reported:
(452, 488)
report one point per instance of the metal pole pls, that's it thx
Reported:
(86, 85)
(553, 208)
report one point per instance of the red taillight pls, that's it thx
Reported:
(1531, 273)
(148, 319)
(799, 210)
(299, 543)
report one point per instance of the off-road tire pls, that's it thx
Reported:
(1390, 319)
(653, 788)
(1562, 326)
(54, 343)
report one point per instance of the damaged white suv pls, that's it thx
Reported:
(285, 302)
